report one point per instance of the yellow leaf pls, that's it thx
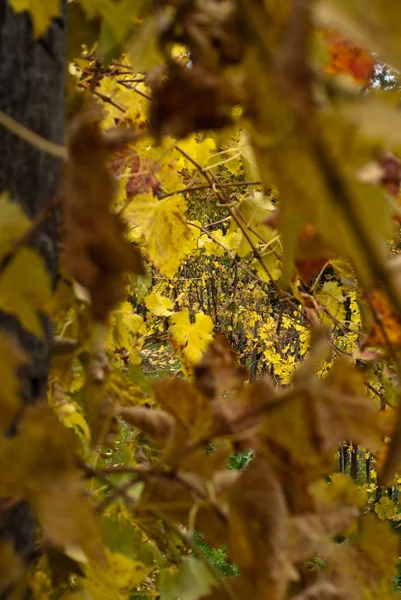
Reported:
(254, 210)
(199, 151)
(13, 223)
(25, 289)
(230, 240)
(159, 305)
(41, 11)
(117, 580)
(21, 295)
(192, 338)
(385, 509)
(163, 225)
(331, 297)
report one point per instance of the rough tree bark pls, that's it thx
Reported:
(32, 82)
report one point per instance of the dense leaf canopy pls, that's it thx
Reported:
(223, 413)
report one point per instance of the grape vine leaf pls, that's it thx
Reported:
(192, 580)
(191, 338)
(163, 225)
(41, 12)
(159, 305)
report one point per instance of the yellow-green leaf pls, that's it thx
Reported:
(25, 289)
(41, 11)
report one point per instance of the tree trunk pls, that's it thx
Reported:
(32, 91)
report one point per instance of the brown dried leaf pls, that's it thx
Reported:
(205, 464)
(96, 253)
(191, 410)
(99, 406)
(258, 528)
(158, 424)
(176, 497)
(323, 590)
(187, 100)
(365, 567)
(218, 369)
(317, 416)
(310, 534)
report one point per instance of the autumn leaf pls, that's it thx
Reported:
(311, 534)
(159, 305)
(386, 324)
(96, 254)
(347, 58)
(163, 225)
(121, 574)
(12, 567)
(11, 359)
(218, 368)
(155, 423)
(191, 338)
(48, 478)
(258, 528)
(41, 13)
(191, 410)
(192, 581)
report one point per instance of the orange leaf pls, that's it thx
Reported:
(347, 58)
(386, 326)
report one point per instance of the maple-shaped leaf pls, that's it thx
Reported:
(41, 13)
(163, 225)
(159, 305)
(258, 528)
(191, 338)
(126, 329)
(385, 508)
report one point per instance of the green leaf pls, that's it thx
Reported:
(192, 581)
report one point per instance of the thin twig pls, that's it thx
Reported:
(32, 138)
(206, 186)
